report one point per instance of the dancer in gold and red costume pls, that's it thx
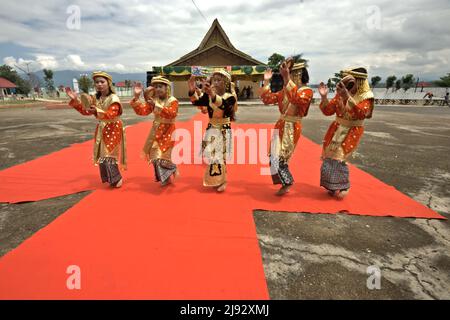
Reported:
(109, 140)
(293, 102)
(159, 144)
(352, 105)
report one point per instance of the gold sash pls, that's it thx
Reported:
(291, 118)
(160, 119)
(349, 123)
(219, 121)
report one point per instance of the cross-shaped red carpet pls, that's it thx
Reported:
(181, 242)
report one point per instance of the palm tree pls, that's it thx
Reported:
(298, 58)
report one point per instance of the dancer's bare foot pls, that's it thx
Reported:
(119, 184)
(331, 193)
(283, 190)
(342, 194)
(222, 187)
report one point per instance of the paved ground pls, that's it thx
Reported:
(305, 256)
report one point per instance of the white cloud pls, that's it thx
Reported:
(46, 61)
(75, 61)
(9, 61)
(22, 63)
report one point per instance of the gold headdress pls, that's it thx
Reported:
(228, 84)
(160, 79)
(223, 73)
(106, 76)
(296, 69)
(163, 80)
(298, 66)
(362, 83)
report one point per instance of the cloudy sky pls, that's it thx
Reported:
(389, 37)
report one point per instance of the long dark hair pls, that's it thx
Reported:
(305, 76)
(99, 94)
(229, 89)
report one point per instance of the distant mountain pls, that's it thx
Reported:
(65, 77)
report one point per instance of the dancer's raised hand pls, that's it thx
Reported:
(284, 71)
(149, 93)
(191, 84)
(137, 90)
(268, 74)
(71, 94)
(342, 90)
(207, 87)
(323, 90)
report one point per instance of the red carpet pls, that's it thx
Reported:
(183, 242)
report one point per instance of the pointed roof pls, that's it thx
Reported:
(216, 35)
(216, 38)
(6, 84)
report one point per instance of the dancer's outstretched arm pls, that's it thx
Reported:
(76, 103)
(327, 107)
(141, 109)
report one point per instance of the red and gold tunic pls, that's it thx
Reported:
(293, 104)
(159, 143)
(109, 139)
(344, 134)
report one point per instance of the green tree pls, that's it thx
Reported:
(408, 82)
(48, 78)
(390, 82)
(375, 80)
(275, 61)
(85, 83)
(444, 82)
(330, 85)
(23, 86)
(398, 85)
(336, 79)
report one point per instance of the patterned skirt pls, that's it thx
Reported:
(216, 148)
(334, 175)
(281, 151)
(163, 170)
(109, 171)
(280, 172)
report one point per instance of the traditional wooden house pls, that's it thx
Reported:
(215, 51)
